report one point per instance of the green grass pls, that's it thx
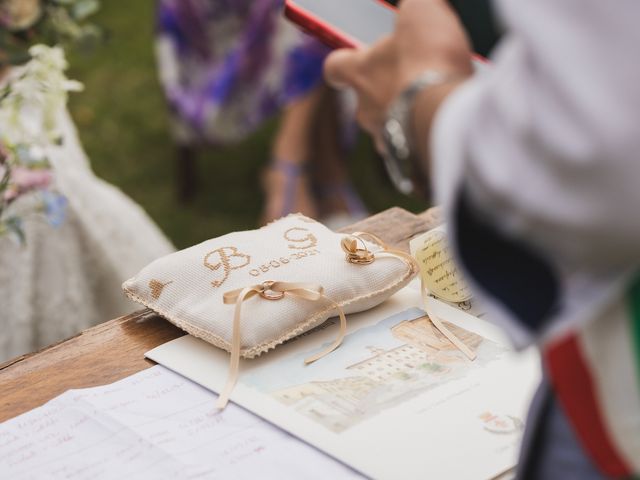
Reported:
(123, 124)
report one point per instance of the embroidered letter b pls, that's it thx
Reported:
(229, 259)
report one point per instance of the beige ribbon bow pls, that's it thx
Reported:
(272, 291)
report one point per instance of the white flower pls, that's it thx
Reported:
(36, 154)
(48, 57)
(37, 95)
(73, 86)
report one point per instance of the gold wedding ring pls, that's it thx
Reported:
(355, 255)
(268, 294)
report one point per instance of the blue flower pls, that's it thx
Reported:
(55, 206)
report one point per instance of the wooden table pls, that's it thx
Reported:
(115, 349)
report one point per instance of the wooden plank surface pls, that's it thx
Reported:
(115, 349)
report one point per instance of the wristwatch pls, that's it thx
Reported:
(399, 146)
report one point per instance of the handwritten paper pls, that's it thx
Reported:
(155, 424)
(438, 271)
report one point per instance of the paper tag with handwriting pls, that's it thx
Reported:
(439, 273)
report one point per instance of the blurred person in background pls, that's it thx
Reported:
(67, 239)
(228, 65)
(535, 163)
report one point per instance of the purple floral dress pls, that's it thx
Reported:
(227, 65)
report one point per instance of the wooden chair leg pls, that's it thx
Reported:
(186, 174)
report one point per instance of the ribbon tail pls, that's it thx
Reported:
(337, 342)
(234, 364)
(459, 344)
(223, 399)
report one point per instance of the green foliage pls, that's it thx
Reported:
(13, 226)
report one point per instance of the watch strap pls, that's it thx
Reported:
(399, 144)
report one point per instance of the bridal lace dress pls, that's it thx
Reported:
(67, 278)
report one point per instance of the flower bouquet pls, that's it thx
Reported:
(30, 98)
(29, 103)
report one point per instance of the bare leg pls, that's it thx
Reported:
(286, 182)
(336, 195)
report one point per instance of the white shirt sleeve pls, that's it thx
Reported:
(547, 142)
